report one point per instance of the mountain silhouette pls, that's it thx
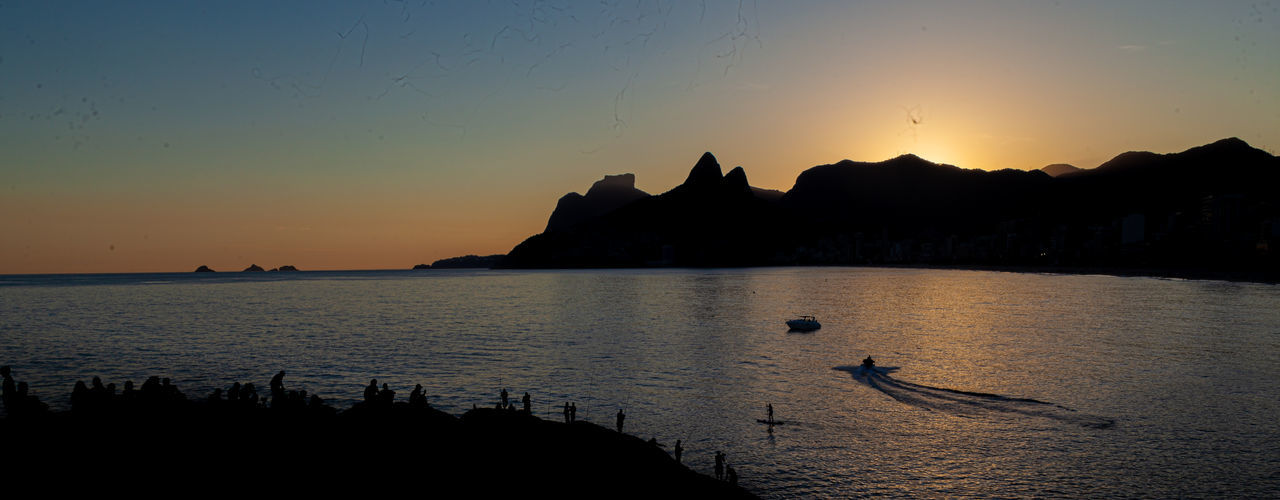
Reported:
(710, 219)
(605, 196)
(1210, 207)
(1061, 169)
(908, 194)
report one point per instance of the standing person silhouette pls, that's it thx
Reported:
(679, 451)
(371, 392)
(528, 407)
(277, 390)
(621, 417)
(10, 390)
(504, 397)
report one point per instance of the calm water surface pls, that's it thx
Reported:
(1071, 385)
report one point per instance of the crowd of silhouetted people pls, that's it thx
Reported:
(159, 396)
(156, 393)
(18, 402)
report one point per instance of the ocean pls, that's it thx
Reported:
(990, 384)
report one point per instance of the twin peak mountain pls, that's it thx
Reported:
(1210, 206)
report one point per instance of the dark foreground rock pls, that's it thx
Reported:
(204, 269)
(155, 440)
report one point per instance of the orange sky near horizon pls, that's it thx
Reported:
(414, 136)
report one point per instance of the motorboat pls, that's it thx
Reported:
(804, 324)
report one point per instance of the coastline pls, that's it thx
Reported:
(1250, 276)
(1260, 277)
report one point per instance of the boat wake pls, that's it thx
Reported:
(967, 403)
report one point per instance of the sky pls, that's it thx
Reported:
(161, 136)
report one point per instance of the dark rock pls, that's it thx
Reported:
(422, 266)
(287, 268)
(605, 196)
(253, 268)
(204, 269)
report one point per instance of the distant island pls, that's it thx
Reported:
(253, 268)
(1212, 208)
(466, 262)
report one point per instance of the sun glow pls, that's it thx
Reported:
(937, 152)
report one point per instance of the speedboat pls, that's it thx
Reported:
(804, 324)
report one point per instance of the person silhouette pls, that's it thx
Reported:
(416, 398)
(130, 393)
(80, 397)
(679, 451)
(621, 417)
(769, 406)
(731, 475)
(719, 466)
(277, 390)
(868, 363)
(250, 394)
(504, 397)
(371, 392)
(10, 390)
(573, 412)
(387, 396)
(566, 412)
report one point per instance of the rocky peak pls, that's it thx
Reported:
(620, 182)
(705, 173)
(735, 181)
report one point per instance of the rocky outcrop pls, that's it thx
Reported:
(253, 268)
(605, 196)
(710, 219)
(706, 173)
(204, 269)
(421, 266)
